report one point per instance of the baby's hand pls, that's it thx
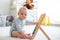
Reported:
(23, 31)
(29, 36)
(36, 23)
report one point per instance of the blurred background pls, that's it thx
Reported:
(9, 10)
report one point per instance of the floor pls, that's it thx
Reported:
(52, 31)
(11, 38)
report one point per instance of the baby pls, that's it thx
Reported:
(18, 24)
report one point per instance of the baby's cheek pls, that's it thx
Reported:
(24, 17)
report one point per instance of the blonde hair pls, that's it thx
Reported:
(22, 9)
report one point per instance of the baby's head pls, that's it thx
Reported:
(22, 13)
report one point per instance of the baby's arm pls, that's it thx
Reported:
(31, 23)
(25, 36)
(19, 29)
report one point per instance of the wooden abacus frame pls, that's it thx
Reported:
(39, 27)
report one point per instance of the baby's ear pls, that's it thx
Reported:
(18, 13)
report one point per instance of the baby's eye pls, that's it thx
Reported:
(21, 13)
(25, 14)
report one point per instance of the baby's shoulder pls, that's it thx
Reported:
(17, 20)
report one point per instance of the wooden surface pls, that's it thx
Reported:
(39, 27)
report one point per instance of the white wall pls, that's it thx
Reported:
(4, 6)
(51, 8)
(5, 10)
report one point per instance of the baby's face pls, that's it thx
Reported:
(22, 15)
(29, 1)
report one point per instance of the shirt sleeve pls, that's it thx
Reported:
(29, 22)
(19, 26)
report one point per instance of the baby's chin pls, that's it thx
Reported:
(23, 18)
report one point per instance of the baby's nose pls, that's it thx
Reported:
(24, 16)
